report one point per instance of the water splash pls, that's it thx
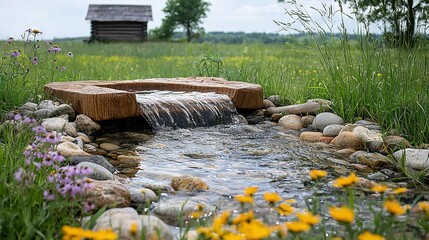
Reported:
(185, 109)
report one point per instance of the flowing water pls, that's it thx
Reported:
(184, 109)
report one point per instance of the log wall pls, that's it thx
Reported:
(119, 31)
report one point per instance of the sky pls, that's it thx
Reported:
(66, 18)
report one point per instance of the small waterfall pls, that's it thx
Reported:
(184, 109)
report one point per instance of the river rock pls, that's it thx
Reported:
(254, 119)
(120, 221)
(63, 109)
(348, 140)
(109, 146)
(170, 209)
(129, 161)
(188, 183)
(83, 137)
(373, 140)
(378, 176)
(275, 99)
(394, 143)
(325, 119)
(28, 106)
(46, 104)
(332, 130)
(291, 121)
(141, 198)
(267, 103)
(307, 120)
(98, 172)
(325, 139)
(108, 193)
(310, 136)
(372, 160)
(96, 159)
(349, 128)
(59, 124)
(276, 117)
(308, 108)
(417, 159)
(346, 152)
(86, 125)
(69, 149)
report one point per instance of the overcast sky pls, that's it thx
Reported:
(66, 18)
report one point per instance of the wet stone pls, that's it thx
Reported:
(109, 146)
(188, 183)
(378, 176)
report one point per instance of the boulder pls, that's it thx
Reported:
(188, 183)
(332, 130)
(142, 198)
(291, 121)
(325, 119)
(275, 99)
(276, 117)
(372, 160)
(120, 220)
(86, 125)
(46, 104)
(63, 109)
(28, 106)
(267, 103)
(417, 159)
(108, 193)
(98, 172)
(59, 124)
(69, 149)
(394, 143)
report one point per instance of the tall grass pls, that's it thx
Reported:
(368, 79)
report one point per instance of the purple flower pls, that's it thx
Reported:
(54, 49)
(39, 129)
(17, 117)
(29, 120)
(10, 40)
(18, 175)
(15, 53)
(48, 196)
(89, 206)
(52, 137)
(34, 61)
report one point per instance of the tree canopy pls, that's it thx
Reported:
(182, 13)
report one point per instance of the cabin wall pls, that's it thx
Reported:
(119, 31)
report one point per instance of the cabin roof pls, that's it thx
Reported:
(105, 13)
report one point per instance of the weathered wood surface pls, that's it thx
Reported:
(107, 100)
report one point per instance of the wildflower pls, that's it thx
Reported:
(379, 188)
(346, 181)
(281, 230)
(133, 228)
(272, 198)
(88, 206)
(34, 61)
(285, 209)
(231, 236)
(17, 117)
(290, 201)
(244, 199)
(379, 75)
(220, 220)
(244, 217)
(369, 236)
(297, 227)
(254, 229)
(15, 53)
(342, 214)
(54, 49)
(52, 138)
(250, 191)
(308, 218)
(207, 233)
(18, 175)
(36, 31)
(48, 196)
(317, 174)
(10, 40)
(424, 206)
(63, 68)
(394, 207)
(400, 191)
(199, 211)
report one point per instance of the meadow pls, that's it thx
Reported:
(365, 80)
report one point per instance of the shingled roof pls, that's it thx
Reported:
(105, 13)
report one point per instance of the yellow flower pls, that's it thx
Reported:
(424, 206)
(379, 188)
(244, 199)
(297, 227)
(36, 31)
(400, 190)
(394, 207)
(346, 181)
(244, 217)
(379, 75)
(285, 209)
(370, 236)
(308, 218)
(250, 191)
(79, 233)
(281, 230)
(317, 174)
(289, 201)
(200, 207)
(220, 220)
(207, 233)
(342, 214)
(255, 229)
(232, 236)
(196, 214)
(133, 229)
(272, 198)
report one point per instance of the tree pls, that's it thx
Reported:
(183, 13)
(402, 17)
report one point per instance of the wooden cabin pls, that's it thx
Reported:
(126, 23)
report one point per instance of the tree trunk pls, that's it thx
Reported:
(411, 24)
(396, 28)
(188, 32)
